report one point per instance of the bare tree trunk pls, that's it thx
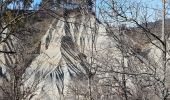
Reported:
(123, 66)
(165, 90)
(93, 39)
(163, 20)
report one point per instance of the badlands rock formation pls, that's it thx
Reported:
(68, 48)
(66, 51)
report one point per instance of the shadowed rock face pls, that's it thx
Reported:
(67, 43)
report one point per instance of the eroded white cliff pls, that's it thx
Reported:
(66, 51)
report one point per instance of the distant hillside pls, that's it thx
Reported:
(141, 36)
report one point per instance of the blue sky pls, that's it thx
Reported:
(152, 4)
(37, 1)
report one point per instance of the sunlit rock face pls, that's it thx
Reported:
(66, 49)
